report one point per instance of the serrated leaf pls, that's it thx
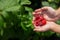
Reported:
(7, 4)
(14, 8)
(24, 2)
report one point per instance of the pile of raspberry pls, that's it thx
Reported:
(39, 20)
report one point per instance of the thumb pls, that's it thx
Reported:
(49, 19)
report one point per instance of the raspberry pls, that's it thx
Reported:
(43, 22)
(39, 20)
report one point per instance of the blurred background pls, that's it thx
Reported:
(16, 20)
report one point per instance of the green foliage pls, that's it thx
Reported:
(24, 2)
(16, 19)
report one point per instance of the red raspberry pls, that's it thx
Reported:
(39, 21)
(39, 17)
(43, 22)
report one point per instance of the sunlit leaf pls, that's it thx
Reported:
(44, 3)
(24, 2)
(28, 9)
(14, 8)
(4, 4)
(4, 14)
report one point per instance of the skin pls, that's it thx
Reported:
(51, 16)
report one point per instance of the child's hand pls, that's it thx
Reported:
(48, 13)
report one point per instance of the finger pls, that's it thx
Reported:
(33, 19)
(36, 26)
(38, 10)
(41, 10)
(44, 9)
(38, 30)
(48, 18)
(41, 29)
(33, 12)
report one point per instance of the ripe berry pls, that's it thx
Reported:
(39, 20)
(43, 22)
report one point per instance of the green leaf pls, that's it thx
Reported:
(14, 8)
(51, 0)
(56, 1)
(23, 27)
(24, 2)
(58, 22)
(58, 34)
(4, 14)
(1, 32)
(1, 22)
(45, 3)
(48, 33)
(28, 9)
(53, 5)
(22, 10)
(28, 25)
(4, 4)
